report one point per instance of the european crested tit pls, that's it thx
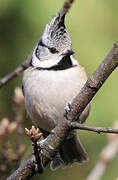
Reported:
(52, 80)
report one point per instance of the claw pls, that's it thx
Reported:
(66, 109)
(42, 142)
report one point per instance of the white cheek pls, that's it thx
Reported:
(45, 61)
(35, 61)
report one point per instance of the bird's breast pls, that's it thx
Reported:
(47, 92)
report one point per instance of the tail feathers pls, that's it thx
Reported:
(71, 151)
(57, 162)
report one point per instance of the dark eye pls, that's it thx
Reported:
(53, 50)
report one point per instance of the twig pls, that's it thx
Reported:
(34, 136)
(66, 7)
(76, 125)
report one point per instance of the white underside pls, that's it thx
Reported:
(47, 93)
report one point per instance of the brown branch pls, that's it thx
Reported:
(26, 171)
(76, 125)
(79, 103)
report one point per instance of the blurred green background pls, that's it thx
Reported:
(93, 27)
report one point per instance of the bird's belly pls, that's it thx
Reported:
(47, 93)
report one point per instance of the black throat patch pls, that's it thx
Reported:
(65, 63)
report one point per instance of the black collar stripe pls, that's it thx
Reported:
(65, 63)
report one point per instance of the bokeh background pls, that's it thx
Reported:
(93, 28)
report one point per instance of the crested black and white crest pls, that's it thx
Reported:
(54, 44)
(56, 35)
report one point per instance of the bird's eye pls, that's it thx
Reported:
(53, 50)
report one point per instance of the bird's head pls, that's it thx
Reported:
(54, 44)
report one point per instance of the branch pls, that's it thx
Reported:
(76, 125)
(26, 171)
(93, 84)
(66, 7)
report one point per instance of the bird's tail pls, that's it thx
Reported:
(71, 151)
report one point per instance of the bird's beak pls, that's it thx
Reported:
(69, 53)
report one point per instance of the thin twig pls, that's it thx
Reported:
(34, 136)
(66, 7)
(76, 125)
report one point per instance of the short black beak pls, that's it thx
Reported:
(69, 53)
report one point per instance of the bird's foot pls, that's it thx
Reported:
(66, 109)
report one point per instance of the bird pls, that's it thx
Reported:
(51, 81)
